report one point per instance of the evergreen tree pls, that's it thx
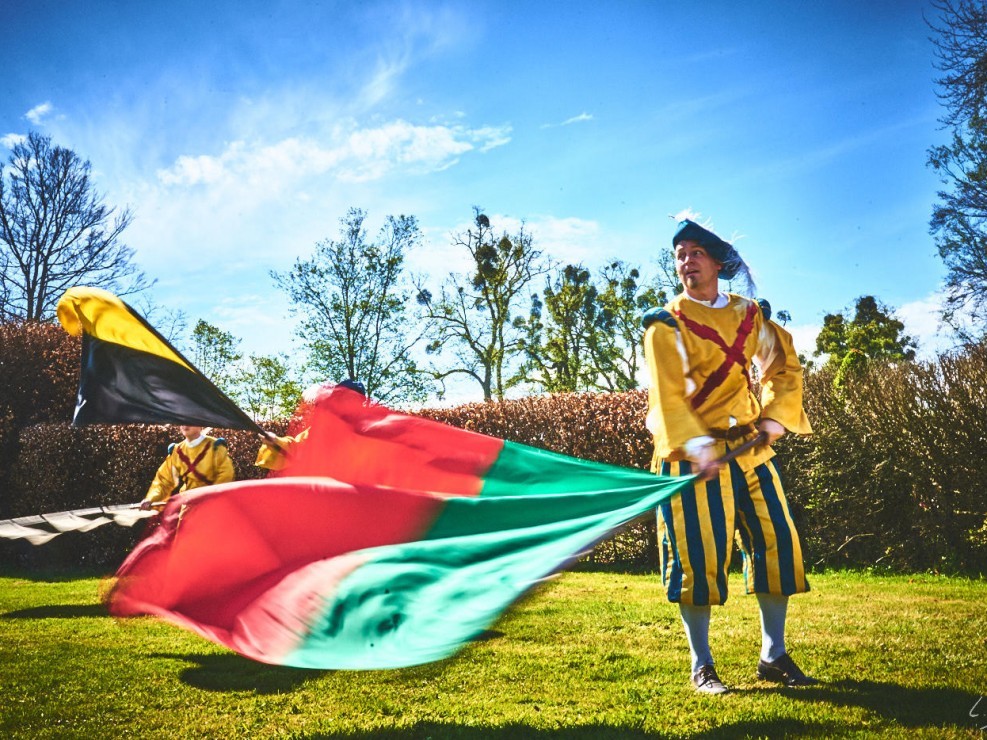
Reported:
(872, 334)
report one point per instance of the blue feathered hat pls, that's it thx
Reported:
(720, 250)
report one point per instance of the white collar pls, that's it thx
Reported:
(197, 441)
(721, 300)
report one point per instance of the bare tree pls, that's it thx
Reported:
(959, 218)
(477, 316)
(216, 353)
(56, 232)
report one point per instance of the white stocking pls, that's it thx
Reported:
(774, 608)
(696, 621)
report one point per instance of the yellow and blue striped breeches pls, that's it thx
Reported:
(696, 534)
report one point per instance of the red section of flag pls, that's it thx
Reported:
(358, 441)
(224, 553)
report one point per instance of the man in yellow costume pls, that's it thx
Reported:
(702, 403)
(275, 451)
(198, 460)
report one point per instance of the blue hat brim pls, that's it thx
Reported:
(720, 250)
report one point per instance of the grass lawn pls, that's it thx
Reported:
(589, 655)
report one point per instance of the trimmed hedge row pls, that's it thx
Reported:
(605, 427)
(39, 371)
(61, 467)
(893, 476)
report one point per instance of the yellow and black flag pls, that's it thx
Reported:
(130, 373)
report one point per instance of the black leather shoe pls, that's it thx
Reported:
(707, 682)
(783, 670)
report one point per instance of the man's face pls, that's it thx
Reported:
(696, 269)
(190, 433)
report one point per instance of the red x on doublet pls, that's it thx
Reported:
(191, 464)
(734, 352)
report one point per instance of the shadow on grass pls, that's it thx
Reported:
(230, 672)
(511, 731)
(58, 611)
(905, 708)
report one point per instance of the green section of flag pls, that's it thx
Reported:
(422, 601)
(532, 471)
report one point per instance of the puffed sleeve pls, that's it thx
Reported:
(781, 379)
(222, 462)
(275, 459)
(671, 419)
(163, 483)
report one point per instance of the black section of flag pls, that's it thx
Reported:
(121, 385)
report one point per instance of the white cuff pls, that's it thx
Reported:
(694, 446)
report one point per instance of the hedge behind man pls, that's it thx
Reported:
(198, 460)
(702, 403)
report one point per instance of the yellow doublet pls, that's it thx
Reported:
(210, 464)
(274, 459)
(679, 363)
(685, 347)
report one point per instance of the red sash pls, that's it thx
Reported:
(734, 352)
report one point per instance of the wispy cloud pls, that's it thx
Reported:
(353, 155)
(809, 160)
(581, 118)
(38, 112)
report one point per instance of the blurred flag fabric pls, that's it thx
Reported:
(131, 374)
(388, 540)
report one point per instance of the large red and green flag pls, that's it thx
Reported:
(130, 373)
(389, 540)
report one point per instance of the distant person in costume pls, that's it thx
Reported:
(274, 450)
(198, 460)
(702, 403)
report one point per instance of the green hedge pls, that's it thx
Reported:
(61, 467)
(606, 427)
(893, 476)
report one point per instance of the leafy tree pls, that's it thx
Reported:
(959, 219)
(56, 232)
(476, 317)
(784, 317)
(352, 298)
(617, 352)
(216, 353)
(872, 334)
(558, 349)
(266, 388)
(585, 334)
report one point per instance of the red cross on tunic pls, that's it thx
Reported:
(191, 465)
(734, 352)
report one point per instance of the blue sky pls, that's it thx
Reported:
(240, 132)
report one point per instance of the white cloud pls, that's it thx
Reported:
(351, 154)
(565, 240)
(804, 338)
(12, 140)
(923, 322)
(569, 121)
(569, 240)
(38, 112)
